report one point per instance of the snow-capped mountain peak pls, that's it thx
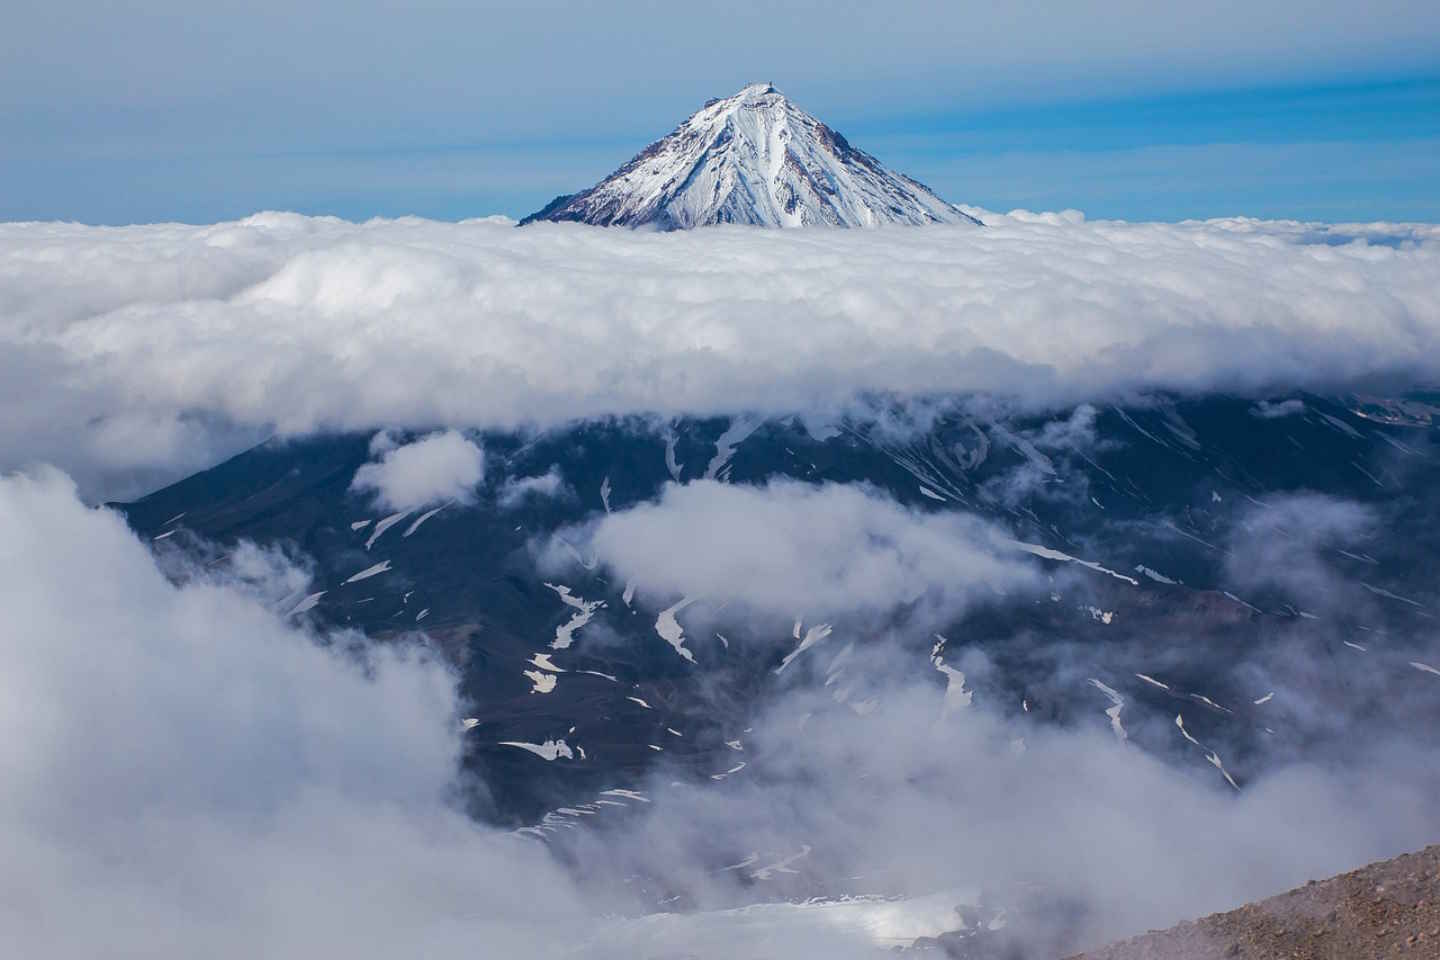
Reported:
(753, 158)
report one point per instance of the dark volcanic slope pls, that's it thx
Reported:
(1388, 909)
(1180, 501)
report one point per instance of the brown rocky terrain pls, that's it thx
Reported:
(1387, 909)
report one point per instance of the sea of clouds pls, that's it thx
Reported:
(184, 770)
(133, 355)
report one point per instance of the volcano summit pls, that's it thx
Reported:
(753, 158)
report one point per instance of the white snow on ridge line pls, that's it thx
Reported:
(543, 661)
(1117, 704)
(1201, 698)
(549, 750)
(783, 865)
(1242, 603)
(625, 794)
(383, 525)
(669, 629)
(1048, 554)
(956, 696)
(567, 597)
(305, 604)
(584, 613)
(1214, 759)
(1180, 722)
(1382, 592)
(410, 530)
(1155, 575)
(812, 636)
(1363, 558)
(372, 571)
(1211, 756)
(735, 434)
(283, 296)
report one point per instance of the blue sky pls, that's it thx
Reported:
(444, 109)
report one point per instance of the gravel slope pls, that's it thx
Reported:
(1387, 909)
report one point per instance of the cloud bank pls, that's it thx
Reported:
(179, 334)
(183, 773)
(441, 467)
(789, 548)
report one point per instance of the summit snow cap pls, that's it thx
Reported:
(753, 158)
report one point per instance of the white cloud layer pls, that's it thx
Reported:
(438, 468)
(302, 323)
(184, 774)
(792, 548)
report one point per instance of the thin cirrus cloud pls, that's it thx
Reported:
(303, 324)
